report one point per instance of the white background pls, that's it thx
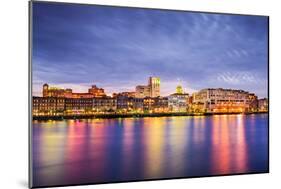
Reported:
(14, 93)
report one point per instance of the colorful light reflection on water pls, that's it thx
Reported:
(108, 150)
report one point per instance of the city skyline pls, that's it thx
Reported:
(146, 100)
(117, 49)
(176, 89)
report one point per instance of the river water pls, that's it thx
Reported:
(87, 151)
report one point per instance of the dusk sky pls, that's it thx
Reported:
(76, 46)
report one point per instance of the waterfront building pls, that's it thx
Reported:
(178, 102)
(148, 104)
(223, 100)
(263, 104)
(78, 105)
(137, 105)
(48, 106)
(104, 104)
(190, 99)
(252, 100)
(160, 104)
(156, 104)
(129, 104)
(123, 103)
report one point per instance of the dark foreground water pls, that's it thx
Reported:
(108, 150)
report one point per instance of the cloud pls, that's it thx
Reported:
(119, 48)
(237, 78)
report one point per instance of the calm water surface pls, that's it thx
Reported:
(106, 150)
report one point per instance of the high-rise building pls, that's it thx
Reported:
(150, 90)
(154, 85)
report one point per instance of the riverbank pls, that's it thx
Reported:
(135, 115)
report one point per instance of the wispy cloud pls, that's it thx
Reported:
(237, 78)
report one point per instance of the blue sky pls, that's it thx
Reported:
(118, 48)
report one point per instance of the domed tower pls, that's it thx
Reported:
(179, 89)
(45, 90)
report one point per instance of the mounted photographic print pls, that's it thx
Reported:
(120, 94)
